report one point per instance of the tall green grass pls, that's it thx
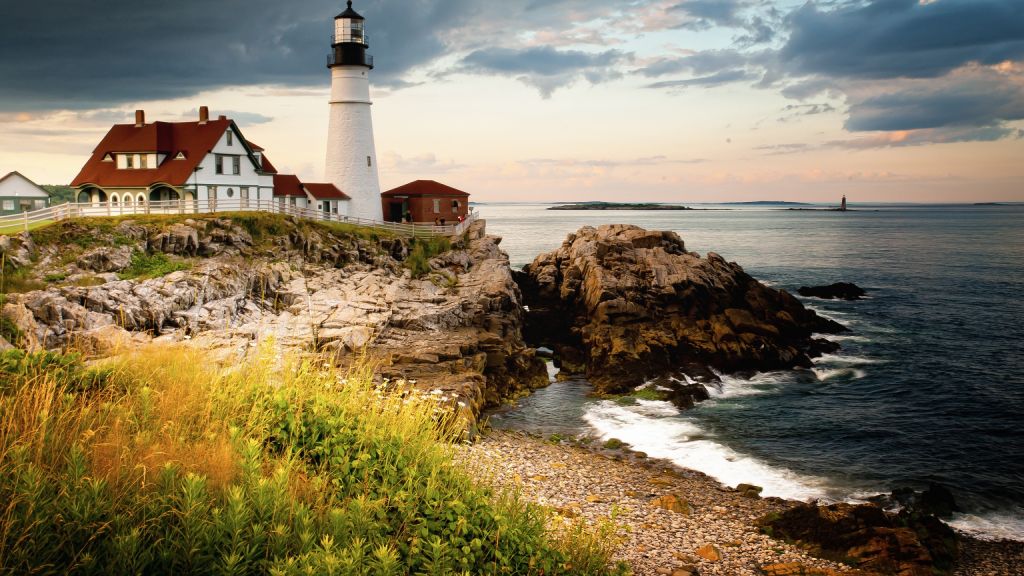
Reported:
(161, 462)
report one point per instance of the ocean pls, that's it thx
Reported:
(928, 385)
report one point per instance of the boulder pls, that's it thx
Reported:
(625, 304)
(839, 290)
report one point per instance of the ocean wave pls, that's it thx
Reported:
(992, 526)
(847, 360)
(761, 383)
(682, 442)
(828, 374)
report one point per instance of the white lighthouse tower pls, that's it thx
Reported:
(351, 154)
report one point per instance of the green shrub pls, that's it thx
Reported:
(170, 464)
(146, 266)
(422, 250)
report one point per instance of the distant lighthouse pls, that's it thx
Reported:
(351, 154)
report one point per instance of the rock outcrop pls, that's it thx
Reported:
(907, 544)
(839, 290)
(456, 332)
(624, 305)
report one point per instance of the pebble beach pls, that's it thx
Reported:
(671, 521)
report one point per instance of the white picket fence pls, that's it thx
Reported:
(28, 220)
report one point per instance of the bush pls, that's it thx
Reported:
(169, 464)
(145, 266)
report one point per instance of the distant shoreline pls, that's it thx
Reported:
(620, 206)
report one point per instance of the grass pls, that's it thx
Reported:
(162, 462)
(145, 266)
(423, 249)
(11, 229)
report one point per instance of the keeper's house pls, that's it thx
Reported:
(209, 161)
(19, 194)
(425, 201)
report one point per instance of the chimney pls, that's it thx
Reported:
(204, 114)
(140, 118)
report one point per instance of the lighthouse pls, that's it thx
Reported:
(351, 155)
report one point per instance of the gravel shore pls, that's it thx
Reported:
(710, 532)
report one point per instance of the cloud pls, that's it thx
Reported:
(705, 14)
(903, 38)
(544, 67)
(69, 54)
(979, 98)
(716, 79)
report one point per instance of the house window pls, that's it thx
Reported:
(437, 206)
(231, 138)
(220, 164)
(236, 165)
(8, 205)
(369, 161)
(129, 161)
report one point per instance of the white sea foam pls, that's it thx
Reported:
(762, 383)
(662, 433)
(847, 360)
(994, 526)
(828, 374)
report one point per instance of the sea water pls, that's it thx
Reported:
(928, 385)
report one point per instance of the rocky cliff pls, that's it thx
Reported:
(624, 305)
(455, 332)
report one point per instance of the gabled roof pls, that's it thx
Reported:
(266, 165)
(288, 185)
(194, 139)
(424, 188)
(325, 192)
(42, 193)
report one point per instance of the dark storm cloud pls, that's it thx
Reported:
(979, 100)
(903, 38)
(84, 54)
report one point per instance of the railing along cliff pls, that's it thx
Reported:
(27, 220)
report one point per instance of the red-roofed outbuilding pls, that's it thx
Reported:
(425, 201)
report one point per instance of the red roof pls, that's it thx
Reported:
(193, 139)
(288, 185)
(267, 166)
(424, 188)
(326, 192)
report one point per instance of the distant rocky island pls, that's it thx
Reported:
(618, 206)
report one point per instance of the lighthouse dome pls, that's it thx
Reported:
(350, 13)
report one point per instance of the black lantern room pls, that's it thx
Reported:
(350, 41)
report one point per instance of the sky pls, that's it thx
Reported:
(554, 100)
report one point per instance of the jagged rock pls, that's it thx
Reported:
(106, 259)
(876, 541)
(627, 304)
(839, 290)
(458, 333)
